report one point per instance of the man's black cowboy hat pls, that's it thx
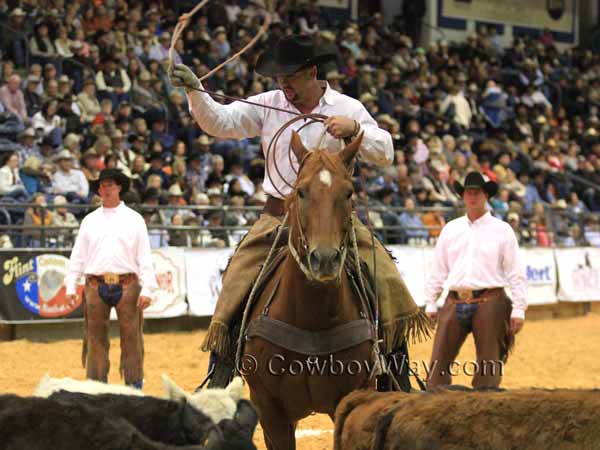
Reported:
(288, 55)
(475, 180)
(112, 174)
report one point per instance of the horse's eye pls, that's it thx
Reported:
(301, 193)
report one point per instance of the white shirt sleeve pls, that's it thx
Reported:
(100, 83)
(438, 274)
(77, 260)
(514, 272)
(146, 273)
(236, 120)
(84, 186)
(377, 146)
(155, 53)
(37, 121)
(5, 180)
(126, 81)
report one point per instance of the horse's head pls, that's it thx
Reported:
(320, 209)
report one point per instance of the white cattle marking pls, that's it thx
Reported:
(310, 433)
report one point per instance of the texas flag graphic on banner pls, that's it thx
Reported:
(41, 289)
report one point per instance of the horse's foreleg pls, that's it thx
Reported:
(279, 431)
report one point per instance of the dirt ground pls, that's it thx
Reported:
(548, 353)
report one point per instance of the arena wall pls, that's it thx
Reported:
(561, 283)
(454, 20)
(72, 329)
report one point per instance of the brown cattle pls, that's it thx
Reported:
(521, 419)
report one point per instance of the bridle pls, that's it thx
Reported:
(303, 242)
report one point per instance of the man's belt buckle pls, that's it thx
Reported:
(464, 295)
(111, 278)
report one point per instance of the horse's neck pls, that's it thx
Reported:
(311, 305)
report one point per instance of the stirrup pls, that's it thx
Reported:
(221, 374)
(206, 379)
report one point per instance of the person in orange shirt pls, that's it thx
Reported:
(434, 220)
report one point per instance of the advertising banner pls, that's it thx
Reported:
(32, 287)
(204, 268)
(540, 269)
(556, 15)
(578, 274)
(169, 266)
(410, 262)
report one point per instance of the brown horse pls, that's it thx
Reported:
(307, 296)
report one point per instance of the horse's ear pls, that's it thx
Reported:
(298, 147)
(349, 152)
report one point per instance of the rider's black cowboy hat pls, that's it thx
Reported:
(112, 174)
(475, 180)
(288, 55)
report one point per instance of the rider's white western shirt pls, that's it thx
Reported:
(113, 240)
(240, 120)
(477, 255)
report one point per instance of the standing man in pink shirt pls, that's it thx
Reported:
(112, 251)
(476, 256)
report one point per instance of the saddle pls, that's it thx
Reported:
(317, 343)
(330, 341)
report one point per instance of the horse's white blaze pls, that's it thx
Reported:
(325, 177)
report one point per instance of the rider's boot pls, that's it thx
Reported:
(223, 368)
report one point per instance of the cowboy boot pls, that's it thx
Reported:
(222, 369)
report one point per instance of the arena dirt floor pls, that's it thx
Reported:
(549, 353)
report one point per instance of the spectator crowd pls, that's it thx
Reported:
(84, 86)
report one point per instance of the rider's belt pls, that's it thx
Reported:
(111, 278)
(274, 207)
(470, 296)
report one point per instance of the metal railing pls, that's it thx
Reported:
(558, 227)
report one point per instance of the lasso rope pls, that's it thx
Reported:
(181, 24)
(186, 17)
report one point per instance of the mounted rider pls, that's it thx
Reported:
(293, 62)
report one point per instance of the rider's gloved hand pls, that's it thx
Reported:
(182, 76)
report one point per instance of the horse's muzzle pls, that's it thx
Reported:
(325, 263)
